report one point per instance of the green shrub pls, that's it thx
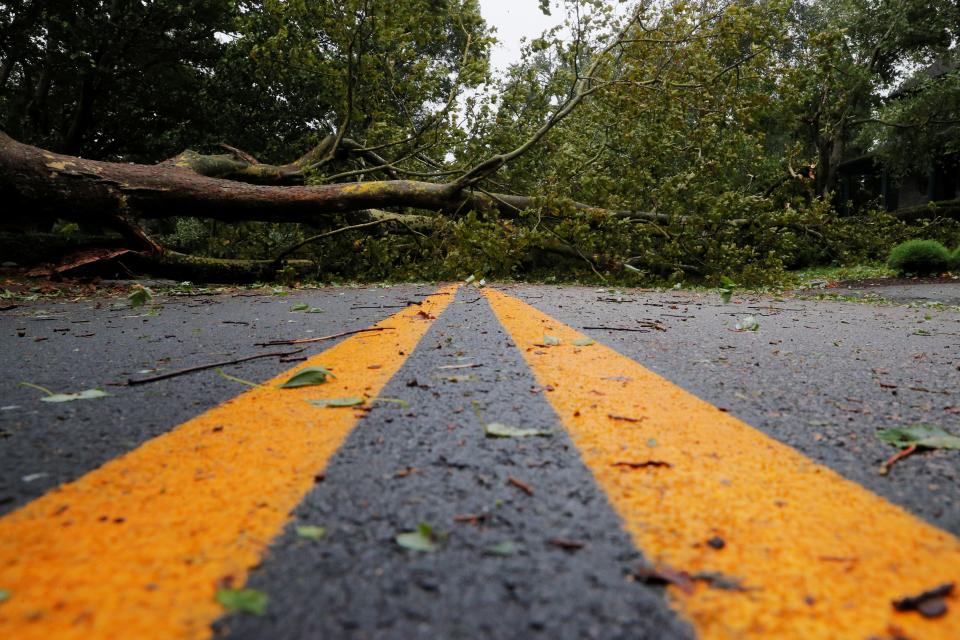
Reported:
(955, 260)
(919, 257)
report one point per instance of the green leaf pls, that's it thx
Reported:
(498, 430)
(300, 306)
(725, 295)
(583, 342)
(314, 310)
(227, 376)
(727, 283)
(140, 296)
(308, 377)
(337, 402)
(423, 539)
(922, 435)
(311, 532)
(243, 600)
(89, 394)
(505, 548)
(550, 341)
(748, 323)
(5, 595)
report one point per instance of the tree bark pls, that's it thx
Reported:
(36, 182)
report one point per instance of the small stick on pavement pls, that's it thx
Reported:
(172, 374)
(520, 484)
(616, 329)
(899, 455)
(275, 343)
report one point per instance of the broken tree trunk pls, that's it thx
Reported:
(35, 182)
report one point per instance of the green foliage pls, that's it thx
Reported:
(919, 257)
(955, 260)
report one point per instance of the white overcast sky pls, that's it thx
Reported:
(515, 20)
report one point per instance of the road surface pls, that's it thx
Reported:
(685, 479)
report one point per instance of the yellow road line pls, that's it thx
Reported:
(822, 556)
(138, 547)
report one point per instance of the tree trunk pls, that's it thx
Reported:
(37, 182)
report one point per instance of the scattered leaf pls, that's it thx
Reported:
(922, 435)
(243, 600)
(499, 430)
(725, 295)
(311, 532)
(505, 548)
(929, 603)
(227, 376)
(423, 539)
(470, 279)
(300, 306)
(425, 315)
(140, 296)
(89, 394)
(665, 575)
(748, 323)
(550, 341)
(583, 342)
(308, 377)
(721, 581)
(351, 401)
(4, 595)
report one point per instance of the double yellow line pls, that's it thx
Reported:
(773, 545)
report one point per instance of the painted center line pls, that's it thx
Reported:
(786, 548)
(138, 547)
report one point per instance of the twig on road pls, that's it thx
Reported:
(899, 455)
(275, 343)
(172, 374)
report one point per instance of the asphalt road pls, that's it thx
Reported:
(527, 543)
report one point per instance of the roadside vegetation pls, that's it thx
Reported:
(649, 144)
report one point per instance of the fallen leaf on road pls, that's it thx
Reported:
(747, 323)
(311, 532)
(665, 575)
(243, 600)
(302, 306)
(423, 539)
(505, 548)
(550, 341)
(89, 394)
(4, 595)
(307, 377)
(930, 603)
(499, 430)
(425, 316)
(337, 402)
(721, 581)
(918, 436)
(583, 342)
(140, 296)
